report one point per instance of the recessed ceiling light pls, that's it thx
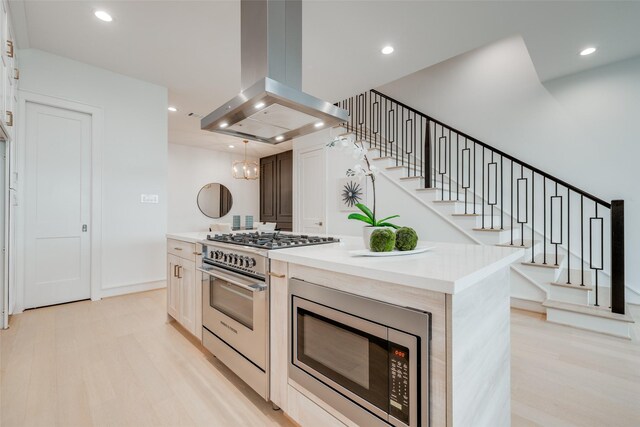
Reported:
(231, 146)
(387, 50)
(223, 125)
(259, 105)
(172, 109)
(103, 16)
(279, 138)
(319, 124)
(587, 51)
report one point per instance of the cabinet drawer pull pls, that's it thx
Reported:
(177, 249)
(10, 48)
(16, 74)
(276, 275)
(179, 271)
(197, 253)
(175, 271)
(10, 118)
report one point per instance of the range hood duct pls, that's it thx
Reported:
(271, 106)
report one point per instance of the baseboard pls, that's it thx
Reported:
(130, 289)
(527, 305)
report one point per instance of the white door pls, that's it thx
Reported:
(311, 191)
(4, 205)
(57, 205)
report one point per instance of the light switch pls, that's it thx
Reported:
(149, 198)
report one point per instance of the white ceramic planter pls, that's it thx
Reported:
(366, 234)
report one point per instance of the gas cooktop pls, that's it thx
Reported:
(271, 240)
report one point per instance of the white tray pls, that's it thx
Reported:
(367, 252)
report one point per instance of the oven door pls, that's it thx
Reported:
(234, 308)
(355, 357)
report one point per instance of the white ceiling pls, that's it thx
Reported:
(193, 47)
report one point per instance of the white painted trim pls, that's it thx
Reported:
(297, 184)
(428, 206)
(97, 126)
(129, 289)
(527, 305)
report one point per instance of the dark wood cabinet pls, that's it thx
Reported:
(276, 190)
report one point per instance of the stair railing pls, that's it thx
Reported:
(577, 230)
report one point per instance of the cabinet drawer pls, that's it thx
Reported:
(184, 250)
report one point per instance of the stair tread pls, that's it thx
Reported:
(587, 309)
(494, 229)
(573, 286)
(409, 178)
(395, 167)
(518, 243)
(382, 158)
(550, 261)
(427, 189)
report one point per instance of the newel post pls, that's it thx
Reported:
(617, 257)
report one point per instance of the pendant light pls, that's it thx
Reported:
(244, 169)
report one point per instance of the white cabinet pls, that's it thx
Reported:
(173, 286)
(184, 285)
(9, 75)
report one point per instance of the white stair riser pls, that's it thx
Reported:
(570, 295)
(539, 274)
(494, 237)
(476, 221)
(592, 323)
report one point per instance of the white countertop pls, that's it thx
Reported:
(192, 237)
(449, 268)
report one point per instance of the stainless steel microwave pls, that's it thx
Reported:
(367, 359)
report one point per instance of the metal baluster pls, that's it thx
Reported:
(482, 198)
(568, 236)
(581, 240)
(475, 165)
(511, 185)
(591, 255)
(457, 166)
(556, 263)
(450, 171)
(526, 206)
(544, 220)
(501, 193)
(533, 214)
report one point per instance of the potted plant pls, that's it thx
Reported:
(364, 169)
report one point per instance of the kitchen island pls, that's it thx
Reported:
(464, 289)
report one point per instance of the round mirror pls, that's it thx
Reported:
(215, 200)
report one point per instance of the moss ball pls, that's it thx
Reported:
(406, 239)
(383, 240)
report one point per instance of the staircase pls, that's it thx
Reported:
(573, 267)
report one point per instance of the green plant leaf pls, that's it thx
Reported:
(388, 224)
(388, 218)
(366, 210)
(360, 217)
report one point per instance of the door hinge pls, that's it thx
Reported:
(84, 228)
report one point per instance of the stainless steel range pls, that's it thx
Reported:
(235, 300)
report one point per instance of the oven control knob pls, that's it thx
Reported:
(235, 259)
(226, 257)
(219, 254)
(251, 262)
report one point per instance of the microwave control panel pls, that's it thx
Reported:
(399, 384)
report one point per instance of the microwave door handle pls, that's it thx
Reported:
(253, 288)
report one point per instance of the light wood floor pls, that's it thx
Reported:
(116, 362)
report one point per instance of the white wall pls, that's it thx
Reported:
(189, 169)
(134, 162)
(390, 199)
(582, 128)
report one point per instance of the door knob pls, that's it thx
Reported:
(319, 223)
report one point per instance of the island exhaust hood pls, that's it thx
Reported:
(271, 106)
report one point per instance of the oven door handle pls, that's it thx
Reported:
(255, 287)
